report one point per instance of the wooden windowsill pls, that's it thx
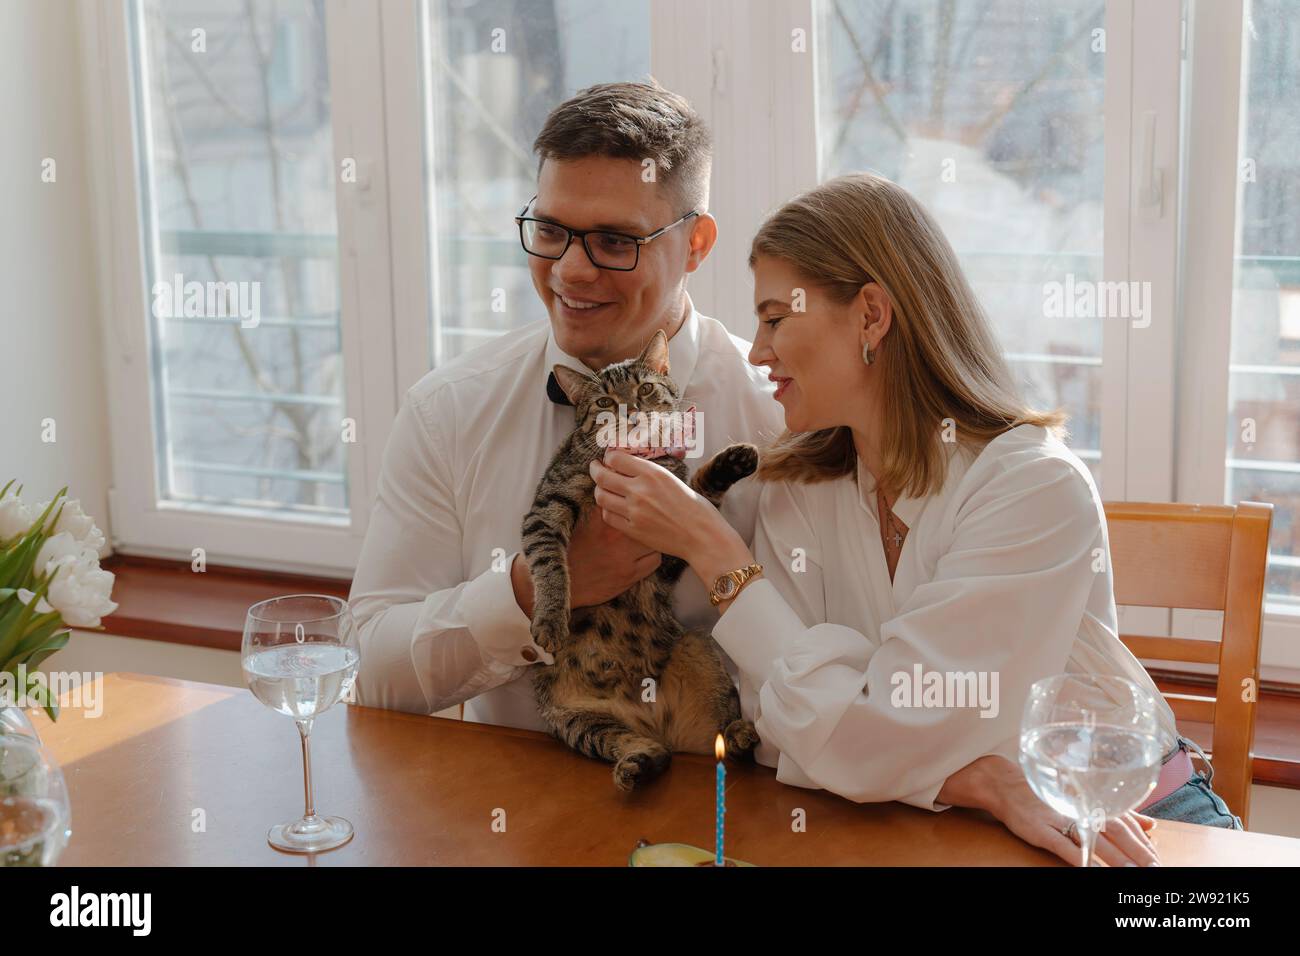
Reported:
(166, 601)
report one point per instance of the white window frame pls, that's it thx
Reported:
(1142, 111)
(139, 524)
(738, 71)
(1215, 141)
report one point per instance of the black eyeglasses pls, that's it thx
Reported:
(606, 250)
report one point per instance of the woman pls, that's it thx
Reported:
(917, 519)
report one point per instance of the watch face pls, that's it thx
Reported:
(727, 587)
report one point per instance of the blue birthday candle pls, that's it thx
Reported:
(720, 749)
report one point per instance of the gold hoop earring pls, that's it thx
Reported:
(868, 354)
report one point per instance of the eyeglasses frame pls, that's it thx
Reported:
(583, 233)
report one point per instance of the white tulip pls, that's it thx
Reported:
(15, 516)
(80, 591)
(77, 523)
(56, 548)
(25, 596)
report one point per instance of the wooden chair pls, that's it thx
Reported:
(1203, 557)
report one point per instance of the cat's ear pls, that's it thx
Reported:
(573, 383)
(655, 354)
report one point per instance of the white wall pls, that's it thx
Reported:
(50, 342)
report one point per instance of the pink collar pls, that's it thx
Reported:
(640, 435)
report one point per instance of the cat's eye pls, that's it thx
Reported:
(646, 389)
(604, 403)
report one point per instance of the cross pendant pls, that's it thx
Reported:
(898, 540)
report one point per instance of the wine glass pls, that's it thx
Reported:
(35, 816)
(1090, 747)
(300, 657)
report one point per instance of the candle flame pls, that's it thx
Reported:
(719, 748)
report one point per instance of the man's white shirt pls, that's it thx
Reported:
(432, 596)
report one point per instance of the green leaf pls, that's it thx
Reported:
(40, 522)
(32, 548)
(9, 633)
(35, 641)
(58, 514)
(16, 623)
(24, 619)
(41, 692)
(11, 562)
(56, 643)
(16, 567)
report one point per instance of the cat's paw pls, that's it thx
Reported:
(736, 462)
(636, 768)
(741, 737)
(550, 635)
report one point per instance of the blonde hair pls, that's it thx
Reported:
(940, 359)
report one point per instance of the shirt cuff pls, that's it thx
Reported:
(496, 622)
(927, 799)
(756, 627)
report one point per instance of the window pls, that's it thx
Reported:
(497, 68)
(1263, 461)
(359, 165)
(238, 215)
(993, 119)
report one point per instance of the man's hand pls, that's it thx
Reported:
(603, 563)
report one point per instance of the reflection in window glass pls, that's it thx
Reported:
(238, 210)
(990, 113)
(496, 69)
(1264, 381)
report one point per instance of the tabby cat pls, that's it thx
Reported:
(592, 696)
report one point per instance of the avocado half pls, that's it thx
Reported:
(676, 854)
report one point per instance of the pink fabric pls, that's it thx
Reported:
(639, 436)
(1172, 776)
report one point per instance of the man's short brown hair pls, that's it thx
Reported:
(635, 121)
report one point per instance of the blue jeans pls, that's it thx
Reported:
(1194, 801)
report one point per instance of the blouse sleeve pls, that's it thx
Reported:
(786, 544)
(1007, 599)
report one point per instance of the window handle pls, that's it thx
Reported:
(1151, 190)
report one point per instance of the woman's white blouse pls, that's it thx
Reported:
(1004, 579)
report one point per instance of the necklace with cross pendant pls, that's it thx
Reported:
(896, 535)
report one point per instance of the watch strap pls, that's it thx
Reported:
(739, 578)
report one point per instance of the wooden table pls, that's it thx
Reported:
(424, 790)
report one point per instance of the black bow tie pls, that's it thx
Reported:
(555, 393)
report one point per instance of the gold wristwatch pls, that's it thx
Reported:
(728, 585)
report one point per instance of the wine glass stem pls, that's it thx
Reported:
(304, 729)
(1087, 840)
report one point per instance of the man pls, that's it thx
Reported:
(442, 597)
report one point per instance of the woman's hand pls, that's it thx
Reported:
(995, 784)
(652, 506)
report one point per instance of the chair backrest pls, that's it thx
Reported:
(1203, 557)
